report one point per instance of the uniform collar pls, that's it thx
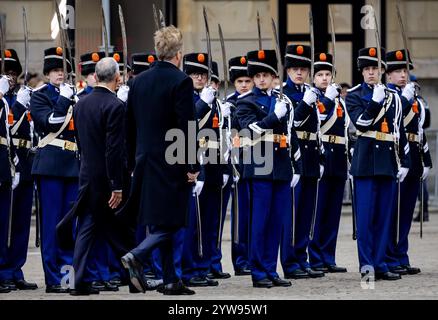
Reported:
(259, 92)
(296, 87)
(394, 87)
(53, 88)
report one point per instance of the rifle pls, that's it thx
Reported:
(125, 45)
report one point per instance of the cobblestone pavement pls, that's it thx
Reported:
(423, 253)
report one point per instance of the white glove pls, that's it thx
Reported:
(331, 92)
(402, 173)
(4, 85)
(122, 93)
(236, 179)
(225, 109)
(225, 179)
(426, 171)
(280, 109)
(378, 93)
(16, 180)
(66, 90)
(409, 91)
(23, 96)
(208, 94)
(295, 180)
(197, 189)
(310, 96)
(321, 170)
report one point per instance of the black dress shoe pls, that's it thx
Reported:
(399, 270)
(335, 269)
(218, 275)
(4, 289)
(135, 271)
(264, 283)
(116, 281)
(323, 269)
(314, 274)
(153, 284)
(211, 282)
(84, 290)
(9, 284)
(197, 282)
(242, 272)
(278, 282)
(104, 286)
(297, 274)
(24, 285)
(412, 270)
(387, 276)
(56, 289)
(176, 289)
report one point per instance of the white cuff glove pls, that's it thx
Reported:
(16, 180)
(426, 171)
(225, 179)
(236, 178)
(225, 109)
(4, 85)
(122, 93)
(295, 180)
(331, 92)
(23, 96)
(197, 189)
(409, 91)
(402, 173)
(310, 96)
(321, 170)
(208, 94)
(280, 109)
(378, 93)
(66, 90)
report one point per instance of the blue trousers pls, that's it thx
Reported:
(57, 196)
(216, 264)
(271, 202)
(397, 253)
(177, 242)
(293, 258)
(5, 202)
(160, 237)
(17, 253)
(322, 248)
(98, 267)
(239, 251)
(375, 200)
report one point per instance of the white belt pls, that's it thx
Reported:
(333, 139)
(208, 144)
(412, 137)
(64, 144)
(304, 135)
(3, 141)
(275, 138)
(22, 143)
(377, 135)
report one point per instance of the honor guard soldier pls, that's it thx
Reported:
(142, 62)
(306, 123)
(397, 257)
(266, 119)
(88, 67)
(334, 126)
(381, 156)
(216, 271)
(22, 134)
(56, 164)
(238, 74)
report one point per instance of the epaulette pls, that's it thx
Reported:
(40, 88)
(230, 95)
(243, 95)
(354, 88)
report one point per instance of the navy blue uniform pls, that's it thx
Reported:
(269, 180)
(334, 122)
(374, 168)
(23, 141)
(397, 253)
(306, 123)
(56, 171)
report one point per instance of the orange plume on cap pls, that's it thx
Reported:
(372, 52)
(261, 55)
(399, 55)
(8, 54)
(59, 51)
(242, 60)
(322, 57)
(95, 57)
(201, 58)
(116, 57)
(151, 58)
(300, 50)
